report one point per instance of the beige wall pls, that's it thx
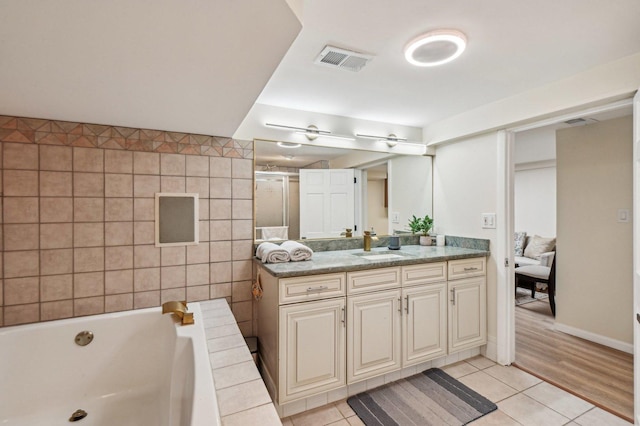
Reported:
(594, 269)
(78, 212)
(376, 211)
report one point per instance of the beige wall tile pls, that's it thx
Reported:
(118, 161)
(172, 294)
(172, 165)
(57, 209)
(203, 209)
(88, 259)
(20, 156)
(220, 188)
(172, 276)
(242, 189)
(118, 209)
(170, 256)
(120, 257)
(117, 282)
(88, 306)
(118, 302)
(21, 237)
(172, 184)
(146, 279)
(199, 185)
(242, 270)
(1, 293)
(195, 294)
(55, 184)
(56, 235)
(19, 264)
(20, 210)
(56, 158)
(88, 234)
(147, 163)
(198, 274)
(54, 262)
(146, 256)
(88, 160)
(241, 169)
(88, 209)
(146, 299)
(118, 185)
(21, 314)
(88, 184)
(219, 167)
(143, 209)
(146, 186)
(56, 310)
(242, 310)
(143, 233)
(241, 291)
(220, 272)
(246, 328)
(242, 209)
(220, 230)
(203, 230)
(198, 253)
(219, 251)
(56, 287)
(19, 291)
(118, 233)
(220, 290)
(242, 230)
(220, 209)
(88, 284)
(22, 183)
(242, 249)
(197, 165)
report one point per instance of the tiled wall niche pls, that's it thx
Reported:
(77, 220)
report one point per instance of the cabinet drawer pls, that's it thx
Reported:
(312, 287)
(464, 268)
(373, 280)
(421, 274)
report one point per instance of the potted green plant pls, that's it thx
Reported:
(422, 225)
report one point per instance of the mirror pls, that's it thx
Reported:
(390, 189)
(176, 219)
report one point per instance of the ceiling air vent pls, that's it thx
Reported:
(580, 121)
(340, 58)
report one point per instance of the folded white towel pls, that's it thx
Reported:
(297, 251)
(272, 253)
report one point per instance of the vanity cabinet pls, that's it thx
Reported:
(467, 304)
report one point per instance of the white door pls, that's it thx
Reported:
(636, 256)
(326, 202)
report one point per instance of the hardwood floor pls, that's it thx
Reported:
(597, 373)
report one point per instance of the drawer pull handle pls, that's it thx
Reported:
(471, 269)
(344, 316)
(400, 305)
(407, 299)
(319, 288)
(453, 297)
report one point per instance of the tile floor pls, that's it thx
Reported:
(522, 399)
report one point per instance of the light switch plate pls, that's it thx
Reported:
(395, 217)
(623, 215)
(489, 220)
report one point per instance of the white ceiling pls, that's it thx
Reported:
(513, 46)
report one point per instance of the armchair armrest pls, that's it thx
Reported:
(547, 258)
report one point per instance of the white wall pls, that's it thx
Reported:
(535, 145)
(594, 269)
(410, 188)
(465, 186)
(535, 201)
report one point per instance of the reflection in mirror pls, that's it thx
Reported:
(278, 193)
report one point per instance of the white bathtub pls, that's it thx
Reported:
(140, 369)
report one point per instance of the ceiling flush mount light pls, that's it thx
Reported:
(391, 140)
(435, 48)
(311, 132)
(289, 145)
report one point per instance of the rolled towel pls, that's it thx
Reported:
(297, 251)
(272, 253)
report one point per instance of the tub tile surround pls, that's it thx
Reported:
(77, 220)
(242, 395)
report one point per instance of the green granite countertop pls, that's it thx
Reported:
(351, 260)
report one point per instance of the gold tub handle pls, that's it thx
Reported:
(179, 309)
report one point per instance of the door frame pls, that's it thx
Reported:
(505, 316)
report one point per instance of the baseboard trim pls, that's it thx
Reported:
(596, 338)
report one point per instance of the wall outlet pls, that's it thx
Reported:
(395, 217)
(489, 220)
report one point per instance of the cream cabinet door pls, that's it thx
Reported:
(424, 331)
(467, 313)
(373, 334)
(312, 348)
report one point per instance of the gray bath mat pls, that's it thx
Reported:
(429, 398)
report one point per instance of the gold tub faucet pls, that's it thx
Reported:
(367, 240)
(179, 309)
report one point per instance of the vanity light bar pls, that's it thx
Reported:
(382, 138)
(310, 131)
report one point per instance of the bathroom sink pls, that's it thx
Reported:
(381, 255)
